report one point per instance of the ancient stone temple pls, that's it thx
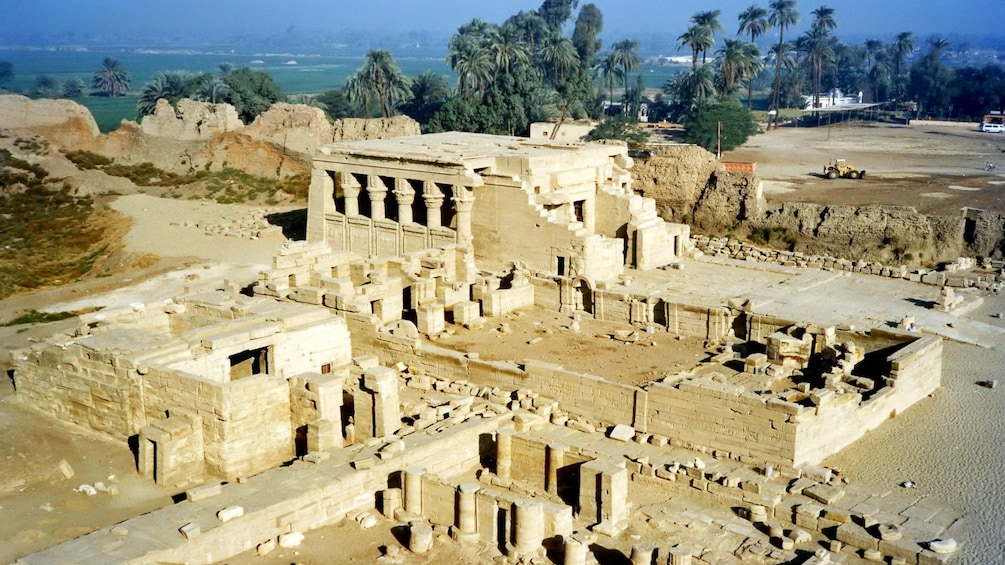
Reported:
(560, 207)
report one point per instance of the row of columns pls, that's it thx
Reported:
(462, 199)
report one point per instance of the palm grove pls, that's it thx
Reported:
(535, 66)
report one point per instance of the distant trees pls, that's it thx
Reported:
(251, 92)
(46, 86)
(782, 14)
(930, 79)
(430, 92)
(175, 85)
(725, 125)
(526, 69)
(111, 78)
(379, 81)
(72, 87)
(753, 21)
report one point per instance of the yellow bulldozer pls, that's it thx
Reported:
(840, 168)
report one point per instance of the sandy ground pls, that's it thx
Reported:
(937, 169)
(950, 445)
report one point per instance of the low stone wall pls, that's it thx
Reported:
(953, 276)
(274, 503)
(915, 371)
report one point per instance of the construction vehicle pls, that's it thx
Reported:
(840, 168)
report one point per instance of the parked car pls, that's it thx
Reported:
(993, 128)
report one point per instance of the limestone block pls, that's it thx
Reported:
(229, 513)
(622, 432)
(189, 530)
(291, 539)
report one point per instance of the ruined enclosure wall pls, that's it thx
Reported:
(588, 395)
(294, 499)
(246, 424)
(305, 350)
(81, 387)
(915, 372)
(506, 226)
(704, 415)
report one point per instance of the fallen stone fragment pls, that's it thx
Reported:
(87, 489)
(65, 469)
(189, 530)
(229, 513)
(266, 547)
(943, 545)
(889, 532)
(622, 432)
(292, 539)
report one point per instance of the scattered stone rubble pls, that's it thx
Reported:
(960, 273)
(253, 225)
(329, 396)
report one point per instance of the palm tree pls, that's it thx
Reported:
(708, 21)
(879, 73)
(626, 56)
(559, 57)
(754, 21)
(507, 50)
(698, 39)
(823, 19)
(608, 73)
(938, 45)
(111, 78)
(169, 85)
(72, 88)
(45, 86)
(357, 92)
(532, 27)
(903, 45)
(818, 52)
(738, 60)
(213, 90)
(783, 14)
(784, 56)
(469, 58)
(700, 84)
(380, 74)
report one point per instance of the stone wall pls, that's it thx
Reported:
(690, 186)
(63, 122)
(915, 371)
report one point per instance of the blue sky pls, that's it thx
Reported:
(218, 18)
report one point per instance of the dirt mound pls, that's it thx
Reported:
(200, 136)
(63, 122)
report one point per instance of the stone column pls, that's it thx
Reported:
(390, 502)
(574, 551)
(556, 458)
(679, 555)
(420, 537)
(405, 195)
(350, 191)
(412, 483)
(434, 201)
(464, 201)
(504, 453)
(528, 526)
(377, 192)
(467, 518)
(376, 407)
(643, 553)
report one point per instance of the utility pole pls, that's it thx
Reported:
(718, 140)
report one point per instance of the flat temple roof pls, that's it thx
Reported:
(462, 147)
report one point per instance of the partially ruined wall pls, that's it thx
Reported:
(690, 186)
(915, 371)
(63, 122)
(507, 227)
(82, 387)
(709, 415)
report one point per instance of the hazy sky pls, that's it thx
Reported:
(224, 18)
